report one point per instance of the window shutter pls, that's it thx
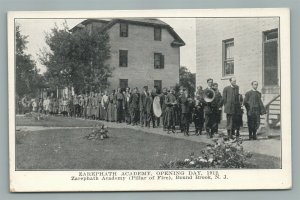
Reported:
(126, 58)
(162, 61)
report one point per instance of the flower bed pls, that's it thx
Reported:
(224, 153)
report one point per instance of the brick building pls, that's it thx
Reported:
(246, 48)
(144, 51)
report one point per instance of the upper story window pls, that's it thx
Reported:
(123, 30)
(228, 57)
(159, 61)
(157, 33)
(123, 58)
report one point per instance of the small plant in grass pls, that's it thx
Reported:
(100, 132)
(36, 116)
(223, 153)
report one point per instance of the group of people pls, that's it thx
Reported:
(177, 109)
(233, 103)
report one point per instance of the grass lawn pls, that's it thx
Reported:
(125, 149)
(55, 121)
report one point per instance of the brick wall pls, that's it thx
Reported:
(141, 46)
(248, 46)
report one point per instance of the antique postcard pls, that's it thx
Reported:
(149, 100)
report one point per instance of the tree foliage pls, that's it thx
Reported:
(28, 81)
(187, 80)
(77, 59)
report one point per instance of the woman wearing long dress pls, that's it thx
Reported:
(104, 105)
(111, 107)
(89, 106)
(97, 106)
(100, 108)
(46, 105)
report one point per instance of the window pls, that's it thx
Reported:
(157, 33)
(228, 57)
(159, 61)
(123, 84)
(158, 85)
(270, 58)
(123, 30)
(123, 58)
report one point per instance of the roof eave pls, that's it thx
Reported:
(177, 44)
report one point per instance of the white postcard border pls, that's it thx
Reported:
(42, 181)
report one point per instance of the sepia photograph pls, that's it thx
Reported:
(149, 100)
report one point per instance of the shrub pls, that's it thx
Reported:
(223, 153)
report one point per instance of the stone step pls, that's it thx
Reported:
(274, 111)
(274, 106)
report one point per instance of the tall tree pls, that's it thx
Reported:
(187, 80)
(77, 59)
(28, 81)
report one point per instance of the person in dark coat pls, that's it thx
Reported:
(143, 97)
(89, 108)
(238, 116)
(232, 106)
(85, 106)
(94, 106)
(208, 115)
(127, 95)
(216, 106)
(97, 102)
(148, 109)
(255, 108)
(163, 106)
(76, 106)
(120, 105)
(134, 101)
(198, 115)
(100, 111)
(81, 104)
(177, 109)
(170, 117)
(185, 103)
(199, 92)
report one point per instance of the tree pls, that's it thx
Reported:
(77, 59)
(186, 80)
(28, 81)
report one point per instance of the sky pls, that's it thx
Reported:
(36, 30)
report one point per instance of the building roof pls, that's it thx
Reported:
(108, 23)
